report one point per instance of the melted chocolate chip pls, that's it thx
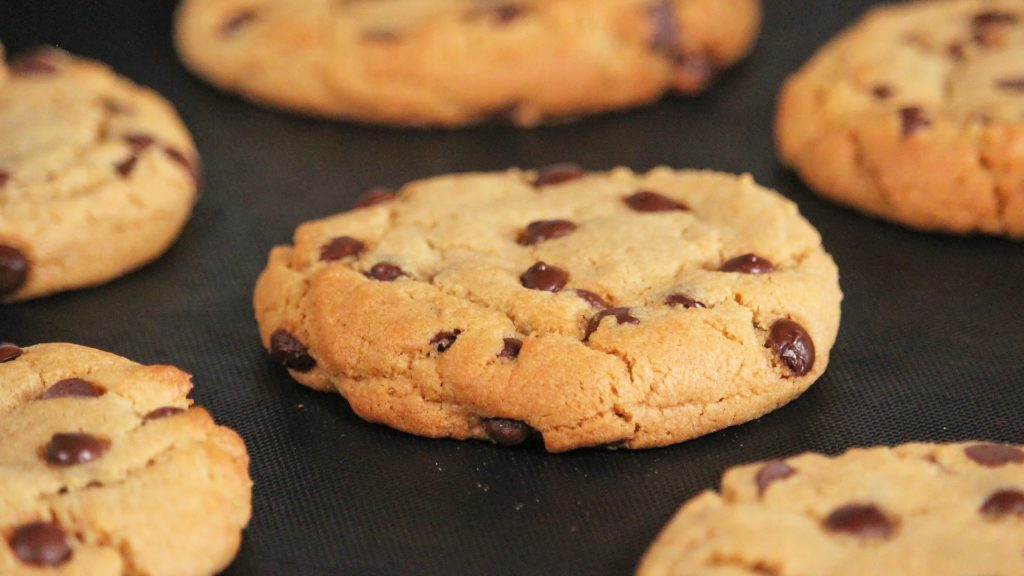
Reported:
(684, 301)
(665, 35)
(139, 142)
(162, 412)
(593, 299)
(541, 276)
(340, 248)
(71, 448)
(385, 272)
(645, 201)
(375, 196)
(748, 264)
(771, 472)
(621, 314)
(1004, 503)
(127, 166)
(693, 72)
(9, 352)
(287, 350)
(40, 544)
(882, 91)
(542, 230)
(861, 520)
(507, 432)
(73, 388)
(558, 174)
(511, 349)
(4, 177)
(1015, 84)
(179, 157)
(36, 62)
(913, 120)
(500, 14)
(994, 455)
(236, 23)
(991, 17)
(792, 345)
(444, 340)
(13, 269)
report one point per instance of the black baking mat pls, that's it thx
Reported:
(931, 346)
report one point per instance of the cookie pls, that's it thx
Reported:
(108, 469)
(633, 310)
(916, 115)
(913, 510)
(456, 62)
(97, 175)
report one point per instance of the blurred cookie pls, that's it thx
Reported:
(456, 62)
(636, 310)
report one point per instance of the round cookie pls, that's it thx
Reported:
(456, 62)
(107, 469)
(633, 310)
(916, 115)
(913, 510)
(97, 175)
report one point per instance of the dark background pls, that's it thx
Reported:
(931, 346)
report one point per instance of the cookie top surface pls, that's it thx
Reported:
(454, 62)
(97, 175)
(916, 114)
(631, 309)
(913, 510)
(107, 469)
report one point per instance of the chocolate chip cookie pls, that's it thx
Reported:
(913, 510)
(97, 175)
(916, 115)
(633, 310)
(456, 62)
(107, 469)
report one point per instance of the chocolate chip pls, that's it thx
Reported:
(163, 412)
(913, 120)
(444, 340)
(71, 448)
(991, 17)
(9, 352)
(862, 520)
(507, 432)
(665, 35)
(236, 23)
(1015, 84)
(375, 196)
(621, 314)
(13, 269)
(126, 167)
(40, 544)
(792, 345)
(593, 299)
(684, 301)
(882, 91)
(956, 50)
(139, 142)
(4, 177)
(287, 350)
(1004, 503)
(341, 247)
(511, 349)
(693, 72)
(39, 61)
(542, 230)
(73, 388)
(500, 14)
(771, 472)
(748, 264)
(179, 157)
(541, 276)
(558, 174)
(386, 272)
(645, 201)
(994, 455)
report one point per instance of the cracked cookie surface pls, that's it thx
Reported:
(97, 175)
(912, 510)
(107, 469)
(916, 115)
(455, 62)
(634, 310)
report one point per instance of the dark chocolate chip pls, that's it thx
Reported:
(287, 350)
(693, 72)
(500, 14)
(341, 247)
(162, 412)
(139, 142)
(991, 17)
(994, 455)
(127, 166)
(593, 299)
(9, 352)
(542, 276)
(665, 35)
(13, 269)
(1015, 84)
(882, 91)
(1004, 503)
(236, 23)
(4, 177)
(558, 174)
(771, 472)
(748, 264)
(861, 520)
(385, 272)
(71, 448)
(73, 388)
(179, 157)
(511, 349)
(375, 196)
(508, 432)
(40, 544)
(445, 340)
(792, 345)
(684, 301)
(913, 120)
(646, 201)
(542, 230)
(621, 314)
(39, 61)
